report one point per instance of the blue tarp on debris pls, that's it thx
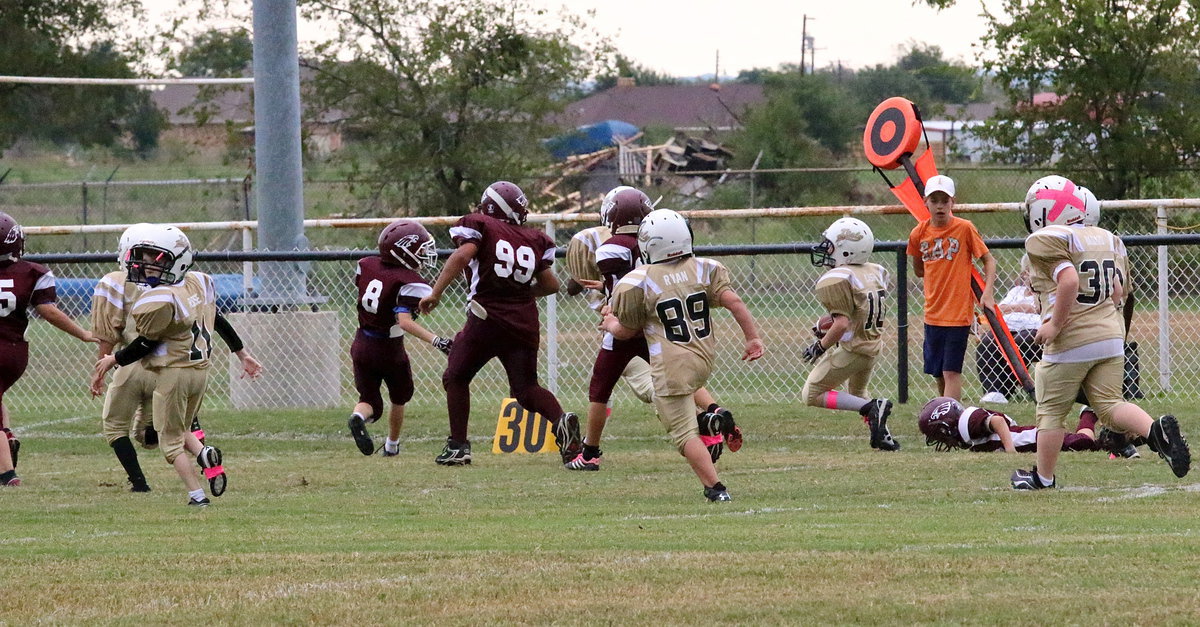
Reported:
(75, 295)
(590, 138)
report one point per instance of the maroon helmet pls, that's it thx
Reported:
(407, 243)
(504, 201)
(12, 238)
(939, 422)
(626, 208)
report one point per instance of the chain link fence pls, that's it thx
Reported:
(767, 257)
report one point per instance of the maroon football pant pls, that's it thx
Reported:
(14, 357)
(611, 363)
(379, 361)
(478, 343)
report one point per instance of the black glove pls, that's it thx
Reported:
(442, 344)
(813, 352)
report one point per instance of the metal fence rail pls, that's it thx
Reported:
(775, 280)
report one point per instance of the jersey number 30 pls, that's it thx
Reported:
(683, 320)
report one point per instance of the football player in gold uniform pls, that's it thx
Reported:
(1079, 275)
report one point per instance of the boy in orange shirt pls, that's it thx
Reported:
(943, 249)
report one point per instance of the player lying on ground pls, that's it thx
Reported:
(948, 425)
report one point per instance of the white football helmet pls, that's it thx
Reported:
(1052, 200)
(847, 241)
(609, 201)
(664, 235)
(1091, 207)
(134, 233)
(161, 248)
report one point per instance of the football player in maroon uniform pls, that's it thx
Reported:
(389, 290)
(948, 425)
(507, 266)
(23, 286)
(616, 257)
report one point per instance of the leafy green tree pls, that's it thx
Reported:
(1127, 106)
(217, 53)
(807, 121)
(622, 66)
(447, 97)
(46, 38)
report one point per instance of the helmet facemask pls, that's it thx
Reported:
(822, 255)
(150, 265)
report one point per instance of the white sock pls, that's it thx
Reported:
(197, 494)
(391, 446)
(1044, 480)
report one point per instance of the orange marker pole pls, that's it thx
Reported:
(892, 134)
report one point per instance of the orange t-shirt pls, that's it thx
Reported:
(948, 254)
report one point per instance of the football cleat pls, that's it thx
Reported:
(1116, 443)
(1166, 440)
(139, 486)
(14, 447)
(9, 479)
(387, 453)
(13, 483)
(583, 463)
(876, 417)
(358, 431)
(710, 428)
(210, 460)
(1028, 480)
(454, 454)
(566, 435)
(204, 502)
(717, 494)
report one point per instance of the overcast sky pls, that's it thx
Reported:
(682, 38)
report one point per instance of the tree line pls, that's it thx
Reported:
(441, 98)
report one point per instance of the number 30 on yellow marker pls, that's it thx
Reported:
(519, 430)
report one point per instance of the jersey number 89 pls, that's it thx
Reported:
(683, 320)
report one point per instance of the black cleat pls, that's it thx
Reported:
(139, 486)
(876, 414)
(454, 454)
(566, 435)
(204, 502)
(210, 460)
(1166, 440)
(583, 462)
(358, 431)
(1028, 480)
(711, 428)
(717, 494)
(1116, 443)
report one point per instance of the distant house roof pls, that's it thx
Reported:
(676, 106)
(973, 111)
(231, 103)
(227, 103)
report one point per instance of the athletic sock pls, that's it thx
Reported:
(197, 494)
(1046, 482)
(391, 446)
(591, 452)
(127, 455)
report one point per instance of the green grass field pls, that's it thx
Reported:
(822, 530)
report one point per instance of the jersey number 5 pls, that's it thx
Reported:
(8, 300)
(518, 264)
(684, 319)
